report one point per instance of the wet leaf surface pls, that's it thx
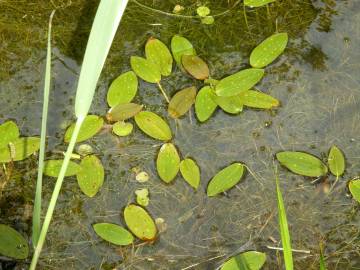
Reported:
(19, 149)
(157, 53)
(52, 168)
(168, 162)
(12, 243)
(190, 172)
(250, 260)
(258, 100)
(181, 46)
(181, 102)
(122, 129)
(354, 187)
(123, 112)
(233, 105)
(9, 132)
(204, 104)
(336, 161)
(90, 176)
(123, 89)
(257, 3)
(195, 66)
(153, 125)
(91, 125)
(114, 234)
(145, 69)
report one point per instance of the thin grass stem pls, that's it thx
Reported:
(163, 92)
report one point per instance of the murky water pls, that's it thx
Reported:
(317, 81)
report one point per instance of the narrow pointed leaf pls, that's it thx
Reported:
(195, 66)
(233, 105)
(52, 168)
(322, 265)
(153, 125)
(91, 175)
(114, 234)
(123, 89)
(145, 69)
(354, 187)
(9, 132)
(122, 129)
(336, 161)
(181, 46)
(19, 149)
(258, 100)
(91, 125)
(123, 111)
(168, 162)
(181, 102)
(250, 260)
(257, 3)
(12, 243)
(190, 172)
(204, 104)
(157, 53)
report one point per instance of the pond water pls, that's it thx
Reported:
(317, 81)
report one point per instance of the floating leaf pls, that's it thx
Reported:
(123, 111)
(250, 260)
(12, 243)
(336, 161)
(239, 82)
(203, 11)
(268, 50)
(225, 179)
(195, 66)
(204, 104)
(52, 168)
(354, 187)
(208, 20)
(122, 129)
(142, 177)
(168, 162)
(114, 234)
(181, 46)
(211, 82)
(142, 196)
(9, 132)
(153, 125)
(91, 175)
(257, 3)
(157, 53)
(123, 89)
(91, 125)
(233, 105)
(19, 149)
(258, 100)
(302, 163)
(145, 69)
(190, 172)
(140, 222)
(181, 102)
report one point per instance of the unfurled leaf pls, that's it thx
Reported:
(114, 234)
(181, 46)
(168, 162)
(52, 168)
(204, 104)
(145, 69)
(91, 125)
(140, 222)
(123, 89)
(250, 260)
(239, 82)
(122, 129)
(190, 172)
(233, 105)
(142, 196)
(9, 132)
(225, 179)
(257, 3)
(258, 100)
(19, 149)
(123, 112)
(302, 163)
(203, 11)
(181, 102)
(195, 66)
(268, 50)
(90, 176)
(12, 243)
(157, 53)
(153, 125)
(336, 161)
(354, 187)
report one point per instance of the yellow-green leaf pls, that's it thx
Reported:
(181, 46)
(302, 163)
(203, 11)
(142, 196)
(239, 82)
(157, 53)
(123, 89)
(354, 187)
(190, 172)
(91, 175)
(12, 243)
(123, 111)
(91, 125)
(9, 132)
(19, 149)
(250, 260)
(153, 125)
(181, 102)
(204, 104)
(195, 66)
(168, 162)
(52, 168)
(257, 3)
(225, 179)
(145, 69)
(233, 105)
(122, 129)
(114, 234)
(140, 222)
(336, 161)
(258, 100)
(268, 50)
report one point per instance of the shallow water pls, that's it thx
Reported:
(316, 80)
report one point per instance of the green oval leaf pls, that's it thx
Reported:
(181, 46)
(140, 222)
(302, 163)
(52, 168)
(257, 3)
(19, 149)
(91, 125)
(123, 111)
(233, 105)
(336, 161)
(157, 53)
(145, 69)
(123, 89)
(225, 179)
(12, 243)
(153, 125)
(90, 176)
(250, 260)
(204, 104)
(268, 50)
(258, 100)
(181, 102)
(195, 66)
(142, 196)
(208, 20)
(203, 11)
(168, 162)
(190, 172)
(122, 129)
(239, 82)
(114, 234)
(9, 132)
(354, 187)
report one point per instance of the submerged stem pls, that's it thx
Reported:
(163, 92)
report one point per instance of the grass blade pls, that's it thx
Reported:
(322, 259)
(36, 222)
